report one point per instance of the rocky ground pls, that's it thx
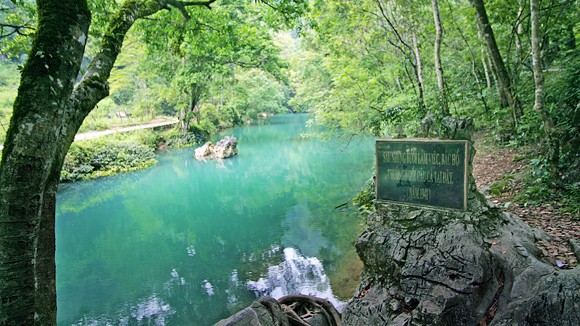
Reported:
(503, 165)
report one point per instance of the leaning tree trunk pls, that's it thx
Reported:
(485, 70)
(47, 113)
(518, 41)
(549, 129)
(503, 77)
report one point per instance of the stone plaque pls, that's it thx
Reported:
(423, 172)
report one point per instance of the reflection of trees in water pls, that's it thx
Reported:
(300, 233)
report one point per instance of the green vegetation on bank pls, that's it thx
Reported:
(123, 152)
(102, 157)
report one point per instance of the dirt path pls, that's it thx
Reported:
(151, 124)
(96, 134)
(494, 165)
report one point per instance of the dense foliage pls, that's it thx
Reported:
(211, 68)
(363, 65)
(371, 65)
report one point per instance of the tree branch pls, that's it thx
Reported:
(16, 29)
(395, 31)
(181, 5)
(93, 86)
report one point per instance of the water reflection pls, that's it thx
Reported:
(301, 233)
(151, 311)
(296, 275)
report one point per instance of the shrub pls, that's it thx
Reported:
(365, 199)
(95, 158)
(178, 138)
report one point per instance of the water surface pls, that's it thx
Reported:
(191, 242)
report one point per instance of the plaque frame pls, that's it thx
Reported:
(423, 143)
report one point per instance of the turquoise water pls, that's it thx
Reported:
(189, 242)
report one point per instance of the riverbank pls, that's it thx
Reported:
(104, 153)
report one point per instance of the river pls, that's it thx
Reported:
(189, 242)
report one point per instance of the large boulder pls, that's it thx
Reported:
(481, 266)
(447, 267)
(204, 151)
(227, 147)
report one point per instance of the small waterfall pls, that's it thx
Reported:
(296, 275)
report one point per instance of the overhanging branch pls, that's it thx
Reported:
(14, 29)
(93, 86)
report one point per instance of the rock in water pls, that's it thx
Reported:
(226, 147)
(204, 150)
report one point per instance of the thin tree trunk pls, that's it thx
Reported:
(519, 47)
(503, 76)
(398, 82)
(549, 129)
(438, 66)
(419, 70)
(485, 70)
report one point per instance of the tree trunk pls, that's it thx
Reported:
(485, 70)
(503, 77)
(503, 102)
(31, 163)
(419, 70)
(193, 109)
(549, 129)
(47, 113)
(438, 66)
(518, 41)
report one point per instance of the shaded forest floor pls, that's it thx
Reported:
(505, 168)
